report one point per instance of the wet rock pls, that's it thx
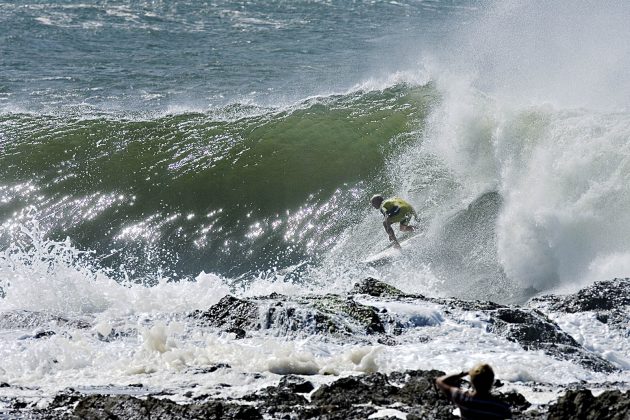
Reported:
(294, 383)
(209, 369)
(4, 385)
(345, 392)
(533, 330)
(126, 407)
(366, 316)
(581, 404)
(331, 412)
(116, 334)
(230, 313)
(43, 334)
(373, 287)
(328, 314)
(356, 397)
(420, 394)
(468, 305)
(65, 399)
(276, 397)
(238, 332)
(516, 401)
(603, 295)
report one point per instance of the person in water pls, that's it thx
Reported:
(395, 210)
(478, 404)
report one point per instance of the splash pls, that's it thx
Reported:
(43, 275)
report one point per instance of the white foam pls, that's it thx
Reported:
(55, 277)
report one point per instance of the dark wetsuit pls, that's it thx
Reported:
(474, 408)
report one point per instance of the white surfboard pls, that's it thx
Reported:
(391, 253)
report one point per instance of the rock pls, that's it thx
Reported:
(603, 295)
(238, 332)
(230, 313)
(296, 384)
(66, 399)
(331, 412)
(516, 401)
(43, 334)
(533, 330)
(328, 314)
(108, 407)
(277, 398)
(356, 397)
(581, 404)
(365, 316)
(373, 287)
(346, 392)
(419, 393)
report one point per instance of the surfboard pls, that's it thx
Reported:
(390, 253)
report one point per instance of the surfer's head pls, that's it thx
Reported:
(482, 377)
(376, 201)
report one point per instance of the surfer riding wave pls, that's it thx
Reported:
(395, 210)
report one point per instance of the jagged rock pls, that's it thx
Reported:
(209, 369)
(230, 313)
(469, 305)
(239, 333)
(365, 316)
(581, 404)
(43, 334)
(373, 287)
(516, 401)
(276, 397)
(419, 392)
(356, 397)
(602, 295)
(345, 392)
(329, 314)
(98, 407)
(332, 412)
(68, 398)
(528, 328)
(296, 384)
(533, 330)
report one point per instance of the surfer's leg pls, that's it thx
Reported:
(404, 227)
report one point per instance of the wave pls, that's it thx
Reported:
(192, 192)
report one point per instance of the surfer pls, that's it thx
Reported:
(478, 404)
(395, 210)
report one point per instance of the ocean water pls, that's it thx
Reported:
(158, 155)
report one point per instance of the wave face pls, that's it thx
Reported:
(232, 192)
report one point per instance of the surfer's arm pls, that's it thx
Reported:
(390, 233)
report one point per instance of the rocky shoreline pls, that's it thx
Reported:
(410, 394)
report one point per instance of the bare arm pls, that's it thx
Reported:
(390, 233)
(449, 382)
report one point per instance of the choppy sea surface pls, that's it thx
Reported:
(158, 155)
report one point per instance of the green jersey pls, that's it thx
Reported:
(397, 210)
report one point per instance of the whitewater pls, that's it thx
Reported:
(158, 158)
